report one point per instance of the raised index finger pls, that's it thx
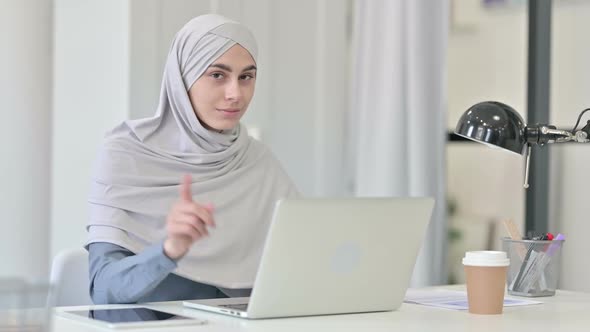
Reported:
(185, 188)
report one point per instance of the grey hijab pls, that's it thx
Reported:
(141, 163)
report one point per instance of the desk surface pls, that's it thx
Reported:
(566, 311)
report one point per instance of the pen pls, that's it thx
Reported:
(555, 246)
(522, 267)
(536, 271)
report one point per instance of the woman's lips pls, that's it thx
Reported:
(229, 112)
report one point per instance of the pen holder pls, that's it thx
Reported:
(24, 306)
(534, 266)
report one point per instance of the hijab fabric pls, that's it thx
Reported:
(141, 163)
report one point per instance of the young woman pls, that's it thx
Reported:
(181, 202)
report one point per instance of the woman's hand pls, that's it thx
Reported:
(186, 223)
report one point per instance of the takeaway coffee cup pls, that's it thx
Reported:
(485, 273)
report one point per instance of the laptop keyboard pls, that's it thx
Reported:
(241, 306)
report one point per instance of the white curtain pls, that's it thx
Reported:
(398, 115)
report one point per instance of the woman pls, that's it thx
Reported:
(181, 202)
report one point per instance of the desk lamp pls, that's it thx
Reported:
(500, 126)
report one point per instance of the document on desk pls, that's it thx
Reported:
(456, 300)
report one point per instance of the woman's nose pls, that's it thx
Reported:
(233, 91)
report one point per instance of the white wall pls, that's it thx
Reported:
(91, 95)
(570, 94)
(307, 96)
(487, 61)
(25, 92)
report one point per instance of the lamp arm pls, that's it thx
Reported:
(554, 135)
(542, 134)
(527, 166)
(545, 134)
(583, 134)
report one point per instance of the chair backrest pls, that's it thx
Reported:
(69, 278)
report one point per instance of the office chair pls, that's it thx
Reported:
(69, 278)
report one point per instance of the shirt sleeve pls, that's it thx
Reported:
(119, 276)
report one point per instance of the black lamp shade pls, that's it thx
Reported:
(495, 124)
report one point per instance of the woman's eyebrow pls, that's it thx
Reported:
(228, 69)
(251, 67)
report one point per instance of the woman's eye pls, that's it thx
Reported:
(247, 77)
(217, 76)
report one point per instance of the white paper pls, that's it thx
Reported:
(456, 300)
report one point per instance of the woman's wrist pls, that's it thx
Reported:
(173, 249)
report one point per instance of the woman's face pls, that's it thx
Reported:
(222, 94)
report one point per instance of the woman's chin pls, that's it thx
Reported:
(223, 125)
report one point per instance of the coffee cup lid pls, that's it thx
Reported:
(486, 258)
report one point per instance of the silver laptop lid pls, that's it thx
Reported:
(327, 256)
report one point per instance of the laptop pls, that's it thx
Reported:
(333, 256)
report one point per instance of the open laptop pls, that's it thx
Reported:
(333, 256)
